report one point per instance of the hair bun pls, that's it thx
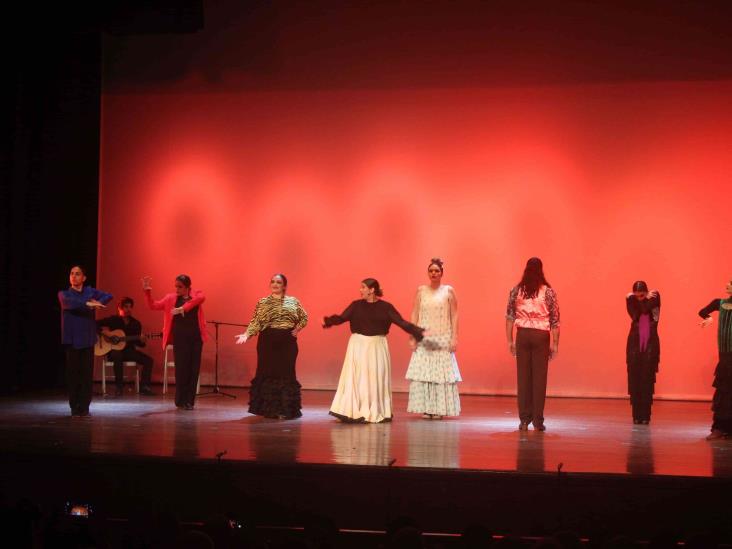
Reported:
(436, 260)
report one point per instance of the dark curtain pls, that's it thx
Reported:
(48, 190)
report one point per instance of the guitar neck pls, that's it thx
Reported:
(151, 335)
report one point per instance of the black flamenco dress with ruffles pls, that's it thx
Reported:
(722, 401)
(275, 391)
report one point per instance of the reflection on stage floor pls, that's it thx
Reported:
(583, 435)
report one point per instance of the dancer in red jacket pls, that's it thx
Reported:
(185, 327)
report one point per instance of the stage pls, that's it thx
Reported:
(592, 466)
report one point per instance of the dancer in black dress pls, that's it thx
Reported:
(642, 350)
(722, 401)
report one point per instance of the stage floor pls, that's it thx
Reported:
(583, 435)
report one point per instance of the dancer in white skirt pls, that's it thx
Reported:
(433, 370)
(364, 389)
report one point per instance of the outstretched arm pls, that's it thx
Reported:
(345, 316)
(254, 326)
(709, 309)
(408, 327)
(706, 312)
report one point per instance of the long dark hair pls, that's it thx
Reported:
(533, 278)
(640, 286)
(373, 284)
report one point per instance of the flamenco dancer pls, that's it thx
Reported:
(433, 370)
(78, 335)
(184, 326)
(722, 401)
(278, 318)
(364, 388)
(643, 349)
(533, 308)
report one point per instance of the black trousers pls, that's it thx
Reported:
(532, 366)
(79, 378)
(129, 355)
(187, 352)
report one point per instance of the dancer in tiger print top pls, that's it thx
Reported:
(275, 391)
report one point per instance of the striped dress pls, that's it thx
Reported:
(722, 401)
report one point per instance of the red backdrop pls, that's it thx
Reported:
(606, 182)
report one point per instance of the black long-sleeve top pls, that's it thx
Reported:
(131, 328)
(373, 318)
(713, 306)
(636, 307)
(724, 330)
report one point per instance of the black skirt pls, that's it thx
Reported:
(722, 401)
(275, 391)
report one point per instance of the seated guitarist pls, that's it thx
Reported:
(124, 321)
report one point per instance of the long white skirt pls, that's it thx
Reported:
(364, 389)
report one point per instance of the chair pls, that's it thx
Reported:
(169, 362)
(108, 366)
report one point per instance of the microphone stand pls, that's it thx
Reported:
(216, 390)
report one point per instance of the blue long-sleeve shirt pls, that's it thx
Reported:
(78, 327)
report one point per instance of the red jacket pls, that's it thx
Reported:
(167, 304)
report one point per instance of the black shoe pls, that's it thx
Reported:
(84, 413)
(147, 391)
(539, 426)
(524, 426)
(188, 406)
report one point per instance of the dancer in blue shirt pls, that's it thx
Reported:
(78, 335)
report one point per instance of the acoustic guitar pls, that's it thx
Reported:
(116, 340)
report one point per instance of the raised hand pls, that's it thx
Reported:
(146, 283)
